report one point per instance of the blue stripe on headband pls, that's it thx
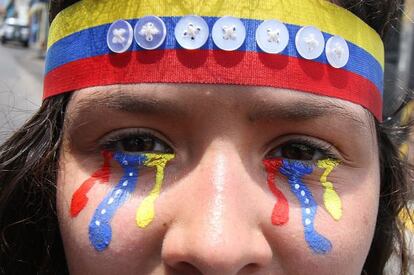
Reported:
(92, 42)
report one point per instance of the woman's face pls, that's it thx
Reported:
(218, 209)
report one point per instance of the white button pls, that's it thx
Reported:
(337, 52)
(272, 36)
(150, 32)
(120, 36)
(229, 33)
(191, 32)
(310, 42)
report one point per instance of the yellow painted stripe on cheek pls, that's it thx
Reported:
(331, 199)
(146, 211)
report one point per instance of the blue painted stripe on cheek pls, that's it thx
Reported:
(295, 171)
(100, 231)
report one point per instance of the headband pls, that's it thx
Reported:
(311, 46)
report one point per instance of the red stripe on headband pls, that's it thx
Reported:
(215, 67)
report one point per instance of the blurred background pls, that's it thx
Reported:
(23, 37)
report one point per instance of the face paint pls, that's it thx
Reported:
(295, 171)
(100, 231)
(79, 198)
(330, 198)
(280, 214)
(145, 212)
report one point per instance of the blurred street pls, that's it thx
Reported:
(21, 73)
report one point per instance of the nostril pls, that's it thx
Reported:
(251, 268)
(184, 268)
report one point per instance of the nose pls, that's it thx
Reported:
(216, 229)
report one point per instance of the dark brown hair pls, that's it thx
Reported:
(30, 241)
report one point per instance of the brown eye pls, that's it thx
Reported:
(298, 152)
(134, 144)
(135, 141)
(137, 144)
(301, 151)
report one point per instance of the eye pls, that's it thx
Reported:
(303, 150)
(135, 141)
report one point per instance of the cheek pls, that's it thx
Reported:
(339, 234)
(116, 243)
(326, 243)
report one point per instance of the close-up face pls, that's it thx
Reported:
(221, 137)
(216, 179)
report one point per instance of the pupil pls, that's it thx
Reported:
(298, 152)
(137, 144)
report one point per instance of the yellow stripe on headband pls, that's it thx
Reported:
(322, 14)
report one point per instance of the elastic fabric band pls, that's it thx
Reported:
(78, 55)
(322, 14)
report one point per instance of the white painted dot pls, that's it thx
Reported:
(302, 193)
(306, 201)
(98, 223)
(103, 211)
(125, 183)
(111, 200)
(308, 211)
(131, 174)
(307, 222)
(297, 186)
(125, 162)
(118, 192)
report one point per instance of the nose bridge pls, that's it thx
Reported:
(222, 173)
(217, 209)
(217, 236)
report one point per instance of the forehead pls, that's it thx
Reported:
(186, 99)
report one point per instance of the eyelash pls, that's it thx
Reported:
(326, 150)
(112, 142)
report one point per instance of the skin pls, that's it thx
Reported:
(214, 212)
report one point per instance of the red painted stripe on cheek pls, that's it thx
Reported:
(280, 214)
(79, 198)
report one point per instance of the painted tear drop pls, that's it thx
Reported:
(295, 171)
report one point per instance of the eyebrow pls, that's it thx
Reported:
(130, 103)
(306, 108)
